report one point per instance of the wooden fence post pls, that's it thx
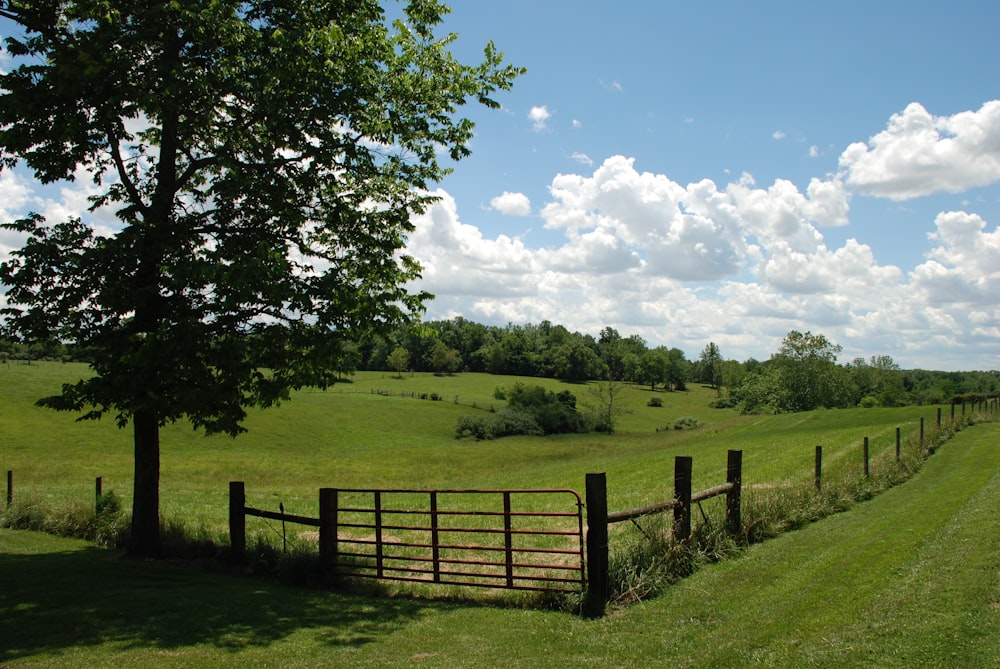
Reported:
(897, 444)
(734, 475)
(922, 431)
(237, 520)
(598, 585)
(98, 491)
(867, 471)
(10, 487)
(939, 418)
(682, 493)
(952, 412)
(328, 549)
(818, 476)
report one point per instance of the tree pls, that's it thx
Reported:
(802, 376)
(605, 405)
(445, 360)
(653, 367)
(263, 160)
(711, 367)
(678, 367)
(399, 360)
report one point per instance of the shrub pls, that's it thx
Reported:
(729, 402)
(655, 401)
(504, 423)
(868, 402)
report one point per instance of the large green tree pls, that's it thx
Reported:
(263, 159)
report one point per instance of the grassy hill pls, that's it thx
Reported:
(376, 431)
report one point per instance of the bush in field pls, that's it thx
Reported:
(531, 410)
(504, 423)
(655, 401)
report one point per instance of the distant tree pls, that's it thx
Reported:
(678, 369)
(575, 361)
(802, 376)
(399, 360)
(652, 367)
(710, 365)
(264, 161)
(606, 404)
(445, 360)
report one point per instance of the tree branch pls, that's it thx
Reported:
(130, 186)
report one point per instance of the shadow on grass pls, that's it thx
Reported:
(51, 601)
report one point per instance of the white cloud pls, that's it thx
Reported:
(778, 134)
(577, 124)
(512, 204)
(965, 266)
(921, 154)
(582, 158)
(813, 151)
(539, 118)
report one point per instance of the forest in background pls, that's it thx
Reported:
(804, 374)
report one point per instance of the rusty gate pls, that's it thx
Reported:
(515, 539)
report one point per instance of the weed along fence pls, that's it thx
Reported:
(598, 518)
(472, 538)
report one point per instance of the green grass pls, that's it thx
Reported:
(348, 436)
(908, 579)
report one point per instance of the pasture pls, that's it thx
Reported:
(910, 579)
(375, 431)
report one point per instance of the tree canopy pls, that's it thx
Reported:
(263, 160)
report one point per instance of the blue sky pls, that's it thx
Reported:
(652, 171)
(724, 171)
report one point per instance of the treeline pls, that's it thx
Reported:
(803, 374)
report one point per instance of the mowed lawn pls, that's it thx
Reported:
(909, 579)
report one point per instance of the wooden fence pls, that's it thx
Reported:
(598, 519)
(481, 538)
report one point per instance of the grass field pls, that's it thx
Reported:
(910, 579)
(351, 436)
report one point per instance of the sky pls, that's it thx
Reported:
(720, 171)
(729, 172)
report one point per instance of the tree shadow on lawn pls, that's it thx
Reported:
(88, 597)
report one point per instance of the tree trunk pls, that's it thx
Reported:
(144, 540)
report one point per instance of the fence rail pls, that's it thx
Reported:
(598, 518)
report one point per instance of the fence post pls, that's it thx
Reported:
(682, 493)
(237, 520)
(328, 548)
(939, 419)
(598, 586)
(952, 412)
(734, 475)
(897, 444)
(867, 471)
(818, 478)
(922, 430)
(98, 491)
(10, 487)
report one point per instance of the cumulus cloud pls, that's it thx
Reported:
(922, 154)
(539, 117)
(778, 134)
(512, 204)
(964, 268)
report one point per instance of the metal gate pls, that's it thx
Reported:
(515, 539)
